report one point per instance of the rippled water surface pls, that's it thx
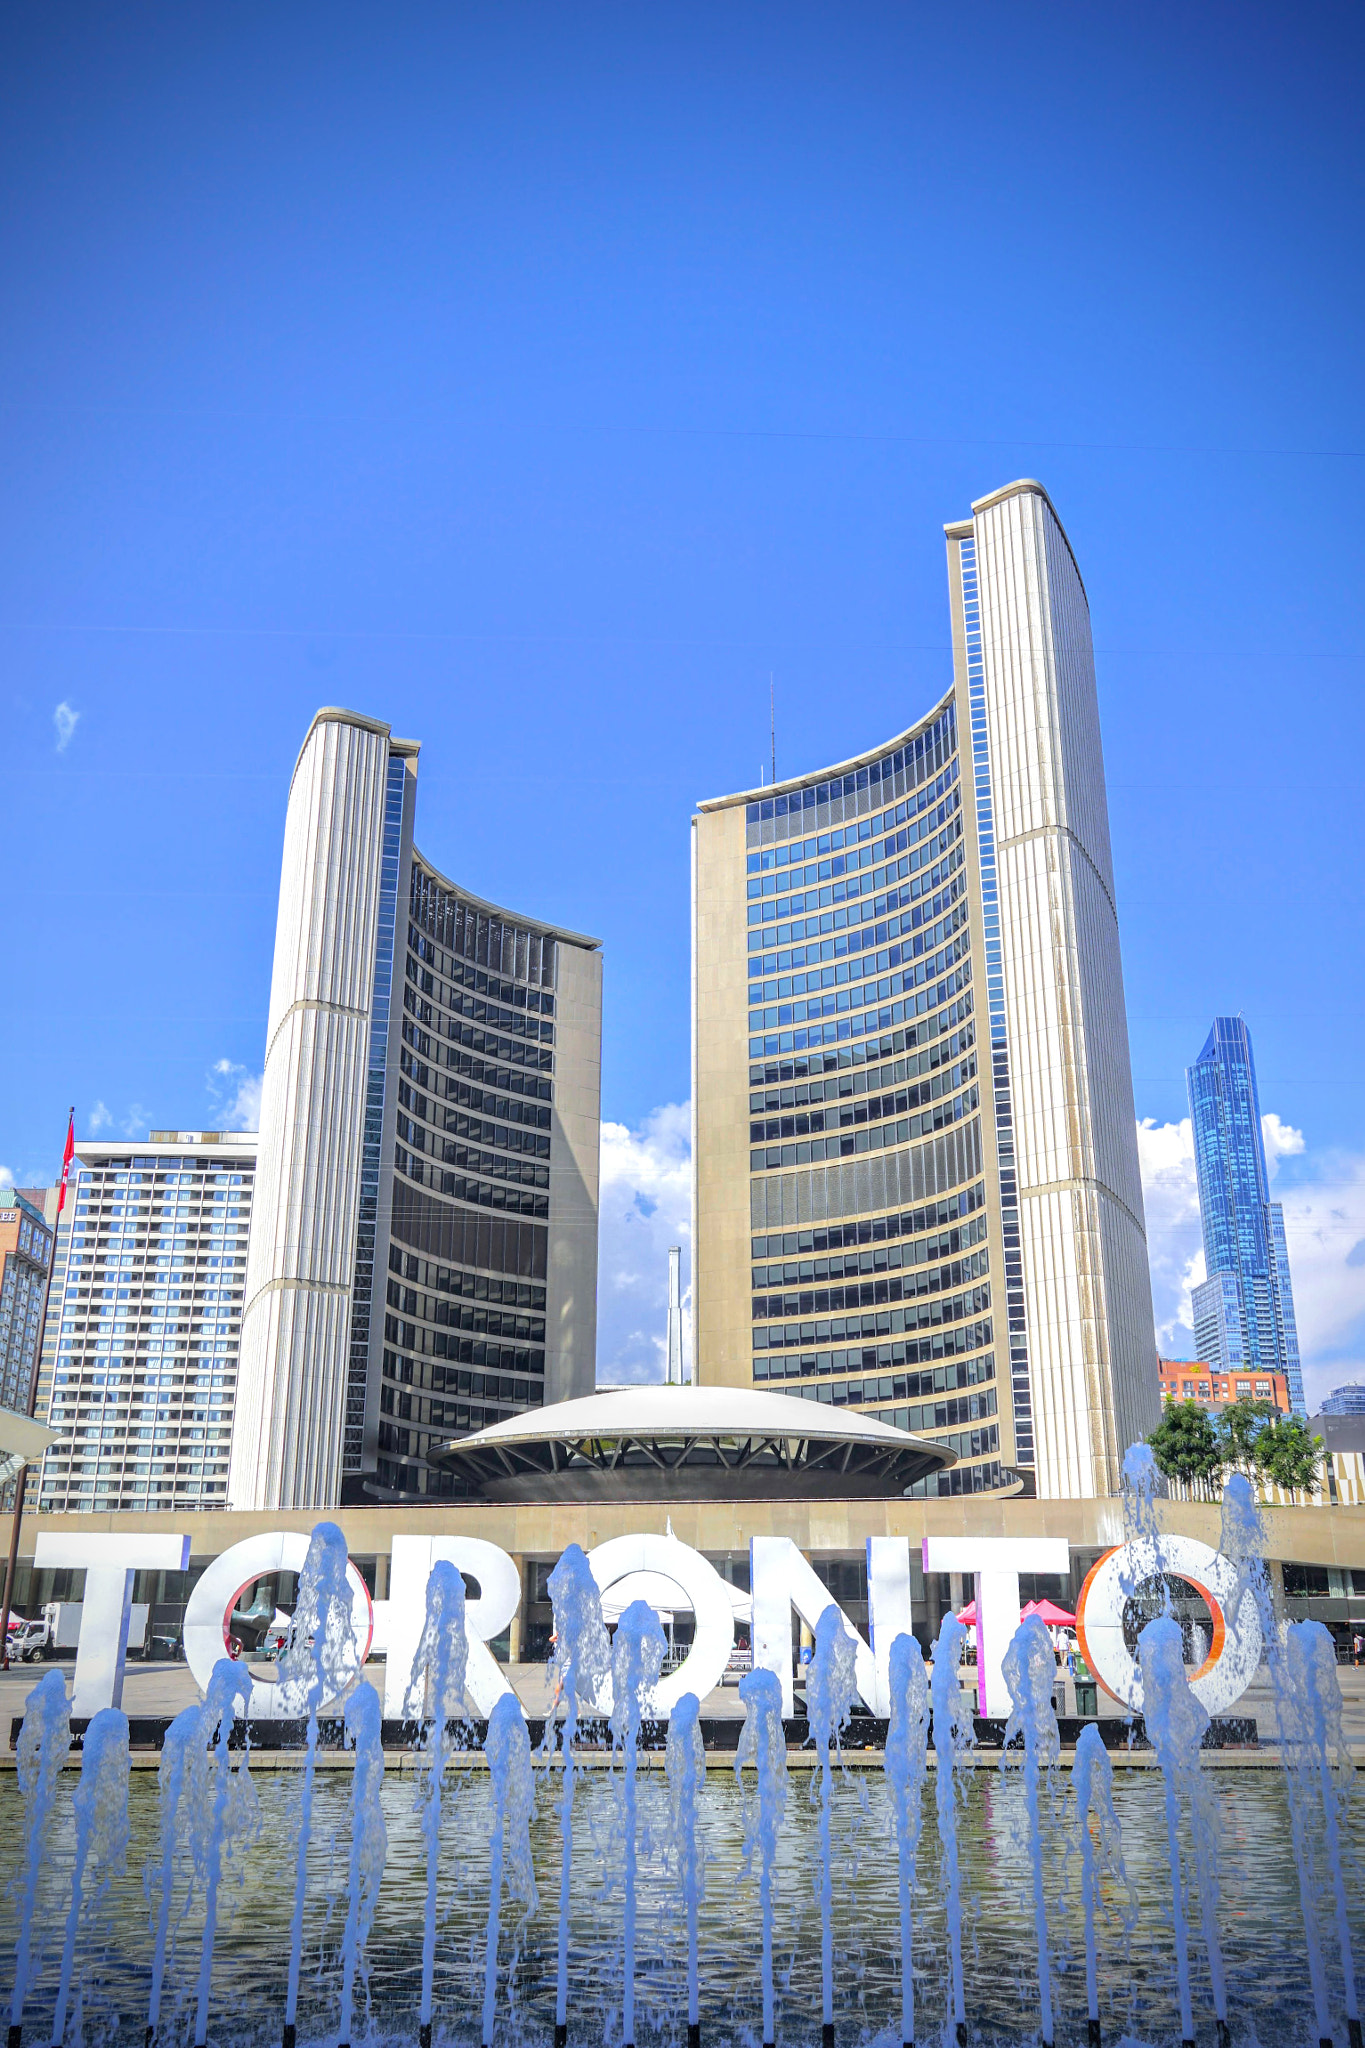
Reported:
(1260, 1919)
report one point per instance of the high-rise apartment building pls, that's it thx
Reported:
(1348, 1400)
(140, 1360)
(424, 1254)
(25, 1254)
(1244, 1310)
(916, 1170)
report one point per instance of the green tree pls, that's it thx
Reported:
(1289, 1456)
(1239, 1429)
(1186, 1447)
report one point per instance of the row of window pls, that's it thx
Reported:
(888, 1322)
(504, 1079)
(847, 943)
(407, 1406)
(947, 1343)
(962, 1479)
(480, 935)
(881, 897)
(924, 1415)
(874, 1139)
(520, 1201)
(833, 1237)
(416, 1339)
(181, 1173)
(772, 908)
(453, 1154)
(517, 1139)
(477, 1011)
(858, 965)
(811, 1064)
(872, 1293)
(539, 1001)
(773, 1021)
(472, 1286)
(901, 768)
(894, 1102)
(881, 1258)
(847, 1084)
(467, 1315)
(429, 1377)
(540, 1058)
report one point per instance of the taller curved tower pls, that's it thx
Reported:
(423, 1256)
(917, 1185)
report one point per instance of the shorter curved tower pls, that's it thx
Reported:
(423, 1255)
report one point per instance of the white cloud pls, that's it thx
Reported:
(646, 1206)
(99, 1119)
(1175, 1246)
(1282, 1141)
(236, 1096)
(6, 1177)
(1324, 1220)
(65, 721)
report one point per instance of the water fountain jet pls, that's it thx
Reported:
(100, 1809)
(581, 1672)
(44, 1742)
(437, 1685)
(906, 1763)
(953, 1735)
(763, 1743)
(637, 1655)
(315, 1666)
(1092, 1779)
(369, 1840)
(830, 1687)
(685, 1765)
(508, 1750)
(1176, 1723)
(1030, 1669)
(220, 1823)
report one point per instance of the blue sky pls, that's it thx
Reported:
(542, 379)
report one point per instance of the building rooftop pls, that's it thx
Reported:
(692, 1443)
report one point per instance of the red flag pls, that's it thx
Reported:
(67, 1158)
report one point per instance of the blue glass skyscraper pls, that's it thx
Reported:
(1244, 1310)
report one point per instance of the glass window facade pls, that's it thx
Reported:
(465, 1303)
(859, 886)
(1245, 1307)
(25, 1249)
(1015, 1316)
(140, 1362)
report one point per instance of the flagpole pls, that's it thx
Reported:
(21, 1481)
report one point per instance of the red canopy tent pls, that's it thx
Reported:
(1048, 1611)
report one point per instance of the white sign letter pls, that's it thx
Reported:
(109, 1563)
(410, 1561)
(995, 1563)
(216, 1595)
(782, 1579)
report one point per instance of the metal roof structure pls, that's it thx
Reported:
(688, 1443)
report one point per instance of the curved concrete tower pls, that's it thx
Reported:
(916, 1169)
(423, 1255)
(291, 1398)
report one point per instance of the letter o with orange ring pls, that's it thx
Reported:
(1234, 1653)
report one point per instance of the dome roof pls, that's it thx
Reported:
(688, 1443)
